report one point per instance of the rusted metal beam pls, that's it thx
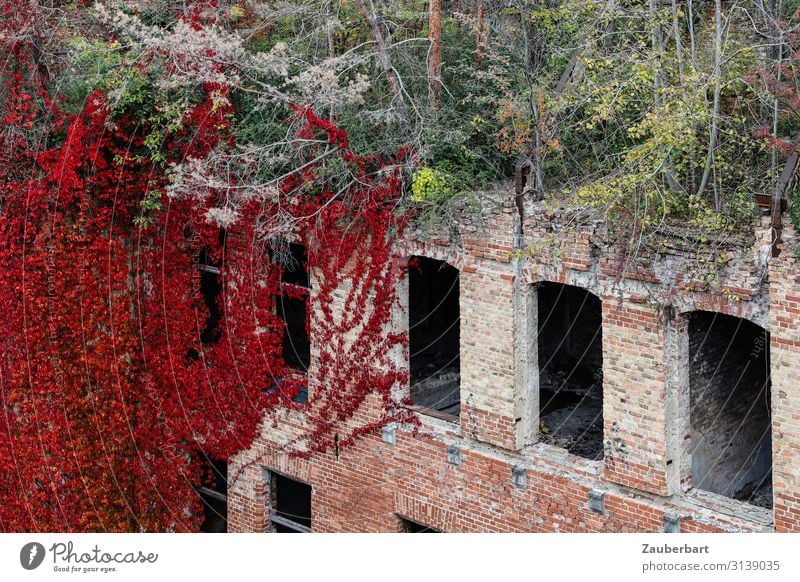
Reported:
(778, 202)
(765, 201)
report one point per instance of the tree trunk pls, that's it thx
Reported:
(435, 56)
(479, 31)
(692, 45)
(712, 140)
(676, 31)
(772, 29)
(657, 40)
(385, 60)
(331, 48)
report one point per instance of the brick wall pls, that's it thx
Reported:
(784, 294)
(487, 356)
(503, 478)
(369, 486)
(634, 393)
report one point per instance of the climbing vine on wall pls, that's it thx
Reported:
(112, 391)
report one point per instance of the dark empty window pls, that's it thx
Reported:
(210, 289)
(300, 397)
(570, 343)
(296, 346)
(729, 383)
(294, 260)
(290, 505)
(214, 495)
(434, 316)
(409, 526)
(292, 302)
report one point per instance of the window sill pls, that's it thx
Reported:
(702, 499)
(433, 413)
(288, 523)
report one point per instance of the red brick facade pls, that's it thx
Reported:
(489, 471)
(784, 291)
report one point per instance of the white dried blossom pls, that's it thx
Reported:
(193, 179)
(273, 11)
(381, 116)
(324, 85)
(223, 217)
(274, 62)
(204, 54)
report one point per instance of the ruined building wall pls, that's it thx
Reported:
(730, 408)
(784, 294)
(492, 468)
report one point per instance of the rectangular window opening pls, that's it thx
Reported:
(214, 495)
(434, 337)
(570, 342)
(731, 424)
(210, 289)
(292, 302)
(289, 505)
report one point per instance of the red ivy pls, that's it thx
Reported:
(108, 395)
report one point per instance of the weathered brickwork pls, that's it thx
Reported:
(371, 485)
(488, 471)
(785, 366)
(634, 394)
(487, 348)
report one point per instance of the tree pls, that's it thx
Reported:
(372, 19)
(435, 58)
